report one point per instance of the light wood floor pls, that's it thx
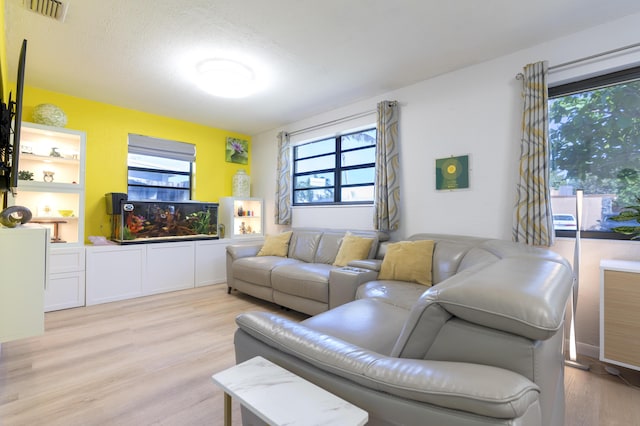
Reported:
(148, 361)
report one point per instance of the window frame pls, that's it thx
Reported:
(337, 170)
(189, 189)
(586, 84)
(161, 149)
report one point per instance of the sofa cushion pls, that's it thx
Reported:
(397, 293)
(304, 245)
(353, 247)
(358, 323)
(308, 280)
(257, 270)
(328, 247)
(408, 261)
(276, 245)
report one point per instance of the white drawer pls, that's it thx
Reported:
(66, 259)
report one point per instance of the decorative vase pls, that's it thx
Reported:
(49, 115)
(241, 184)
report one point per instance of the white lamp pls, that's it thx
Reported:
(573, 357)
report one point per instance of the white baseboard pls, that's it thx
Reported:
(585, 349)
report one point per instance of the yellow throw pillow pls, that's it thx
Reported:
(353, 248)
(276, 245)
(408, 261)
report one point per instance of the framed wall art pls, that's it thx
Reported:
(237, 151)
(452, 173)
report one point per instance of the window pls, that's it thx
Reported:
(159, 169)
(594, 139)
(338, 170)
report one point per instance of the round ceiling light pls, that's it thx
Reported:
(226, 78)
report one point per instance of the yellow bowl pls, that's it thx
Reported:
(66, 213)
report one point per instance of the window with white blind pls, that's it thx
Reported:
(159, 169)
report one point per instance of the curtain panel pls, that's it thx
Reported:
(387, 192)
(533, 220)
(283, 181)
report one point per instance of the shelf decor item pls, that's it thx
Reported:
(49, 115)
(237, 151)
(15, 215)
(241, 184)
(25, 175)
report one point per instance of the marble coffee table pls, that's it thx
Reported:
(279, 397)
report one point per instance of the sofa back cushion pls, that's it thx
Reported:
(304, 244)
(449, 253)
(328, 247)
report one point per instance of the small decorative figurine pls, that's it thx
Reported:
(48, 176)
(54, 152)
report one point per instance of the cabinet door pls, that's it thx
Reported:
(210, 262)
(64, 290)
(170, 266)
(620, 314)
(114, 273)
(23, 256)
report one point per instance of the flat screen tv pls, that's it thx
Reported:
(10, 122)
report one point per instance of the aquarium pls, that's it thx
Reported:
(158, 221)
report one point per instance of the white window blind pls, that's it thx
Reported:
(146, 145)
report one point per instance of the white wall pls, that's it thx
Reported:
(475, 111)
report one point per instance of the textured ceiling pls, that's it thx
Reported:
(315, 55)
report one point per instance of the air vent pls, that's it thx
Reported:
(51, 8)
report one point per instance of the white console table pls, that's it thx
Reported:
(279, 397)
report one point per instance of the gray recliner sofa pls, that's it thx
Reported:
(482, 346)
(306, 280)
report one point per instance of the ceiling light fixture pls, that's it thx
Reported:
(226, 78)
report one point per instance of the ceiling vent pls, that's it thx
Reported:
(51, 8)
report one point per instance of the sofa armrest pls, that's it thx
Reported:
(371, 264)
(534, 308)
(344, 282)
(239, 250)
(479, 389)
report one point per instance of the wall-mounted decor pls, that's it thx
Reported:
(237, 151)
(452, 173)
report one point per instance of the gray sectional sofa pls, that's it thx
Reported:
(306, 280)
(482, 346)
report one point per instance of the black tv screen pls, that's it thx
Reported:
(10, 123)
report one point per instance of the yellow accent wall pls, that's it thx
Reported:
(107, 128)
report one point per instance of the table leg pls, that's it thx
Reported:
(227, 409)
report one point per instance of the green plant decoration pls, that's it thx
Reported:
(25, 175)
(629, 213)
(200, 222)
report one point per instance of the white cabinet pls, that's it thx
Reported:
(242, 217)
(620, 313)
(51, 180)
(23, 262)
(117, 272)
(114, 272)
(66, 287)
(170, 266)
(210, 265)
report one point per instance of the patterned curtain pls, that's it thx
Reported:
(283, 181)
(533, 221)
(387, 192)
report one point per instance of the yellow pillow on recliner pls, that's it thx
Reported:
(276, 245)
(352, 248)
(408, 261)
